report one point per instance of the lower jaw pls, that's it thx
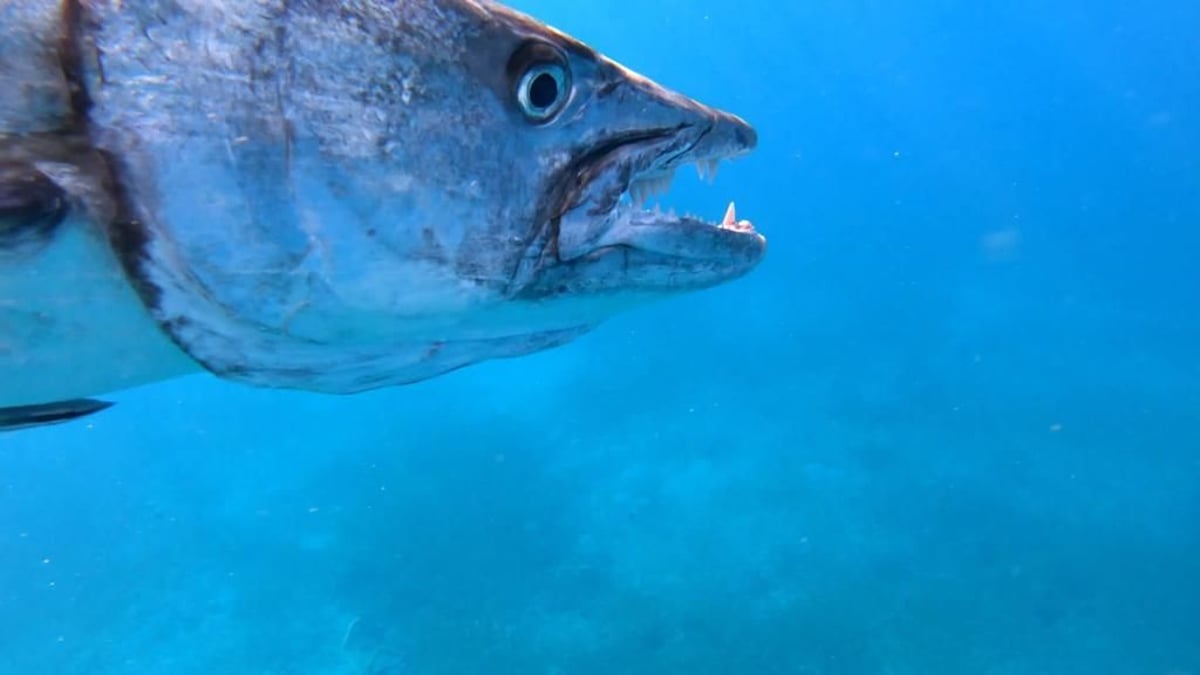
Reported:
(652, 271)
(687, 240)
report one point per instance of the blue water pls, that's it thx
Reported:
(951, 425)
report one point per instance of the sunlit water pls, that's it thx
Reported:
(950, 426)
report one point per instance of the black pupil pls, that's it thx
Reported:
(543, 91)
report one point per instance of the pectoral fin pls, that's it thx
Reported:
(27, 416)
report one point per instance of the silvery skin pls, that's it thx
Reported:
(328, 196)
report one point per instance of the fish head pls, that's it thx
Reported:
(345, 196)
(590, 141)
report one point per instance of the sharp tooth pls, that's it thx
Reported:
(637, 192)
(730, 216)
(700, 167)
(713, 165)
(664, 183)
(642, 190)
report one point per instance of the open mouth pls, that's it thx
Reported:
(598, 214)
(656, 182)
(597, 217)
(621, 179)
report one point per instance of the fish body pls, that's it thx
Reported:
(328, 196)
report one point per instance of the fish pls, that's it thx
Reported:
(333, 197)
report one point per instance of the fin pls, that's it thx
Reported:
(31, 206)
(27, 416)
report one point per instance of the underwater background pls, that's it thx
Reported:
(950, 425)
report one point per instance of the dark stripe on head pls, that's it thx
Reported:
(128, 234)
(70, 58)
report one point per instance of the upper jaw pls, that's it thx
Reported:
(644, 165)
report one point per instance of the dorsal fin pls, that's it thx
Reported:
(26, 416)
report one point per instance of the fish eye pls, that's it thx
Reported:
(543, 85)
